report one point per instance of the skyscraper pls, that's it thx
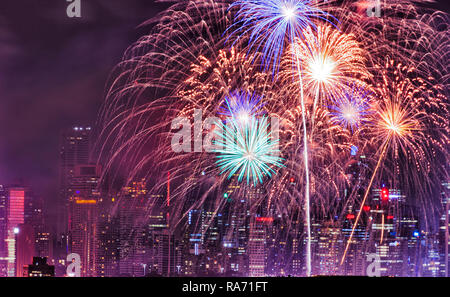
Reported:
(83, 216)
(257, 245)
(75, 145)
(16, 217)
(326, 247)
(108, 240)
(444, 226)
(133, 233)
(24, 248)
(83, 233)
(236, 228)
(3, 231)
(167, 253)
(34, 216)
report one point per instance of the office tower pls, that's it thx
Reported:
(16, 207)
(15, 213)
(204, 241)
(408, 236)
(196, 224)
(83, 216)
(444, 226)
(43, 244)
(193, 235)
(3, 231)
(355, 257)
(431, 257)
(108, 240)
(279, 248)
(75, 145)
(34, 216)
(236, 227)
(393, 227)
(200, 236)
(295, 235)
(60, 251)
(167, 253)
(326, 247)
(40, 268)
(24, 248)
(133, 233)
(157, 227)
(355, 260)
(83, 233)
(405, 234)
(257, 245)
(214, 258)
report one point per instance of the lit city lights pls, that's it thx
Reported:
(224, 147)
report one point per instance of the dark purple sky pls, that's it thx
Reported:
(53, 71)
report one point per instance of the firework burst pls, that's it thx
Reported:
(248, 150)
(351, 107)
(242, 107)
(411, 134)
(268, 23)
(330, 61)
(334, 88)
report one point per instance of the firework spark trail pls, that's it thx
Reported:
(365, 198)
(268, 22)
(183, 67)
(326, 152)
(305, 157)
(351, 108)
(328, 60)
(407, 123)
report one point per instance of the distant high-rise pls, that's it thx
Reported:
(133, 235)
(444, 226)
(34, 216)
(24, 248)
(83, 216)
(3, 231)
(326, 247)
(236, 228)
(83, 233)
(257, 245)
(431, 260)
(75, 145)
(355, 260)
(296, 245)
(108, 240)
(16, 217)
(167, 253)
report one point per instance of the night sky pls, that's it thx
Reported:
(53, 71)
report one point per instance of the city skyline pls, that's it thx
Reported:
(301, 150)
(233, 244)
